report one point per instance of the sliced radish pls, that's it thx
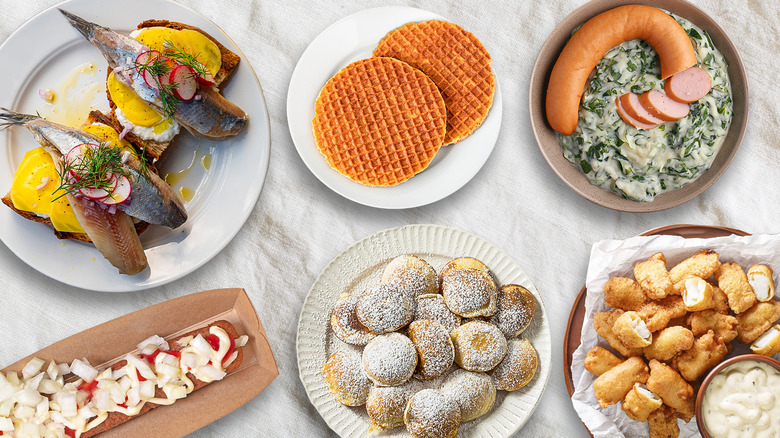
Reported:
(147, 58)
(170, 65)
(121, 191)
(206, 80)
(183, 76)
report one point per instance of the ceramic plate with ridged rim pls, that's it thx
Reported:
(360, 266)
(353, 38)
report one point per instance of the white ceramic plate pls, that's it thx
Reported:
(353, 38)
(225, 195)
(361, 265)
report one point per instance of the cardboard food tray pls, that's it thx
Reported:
(111, 341)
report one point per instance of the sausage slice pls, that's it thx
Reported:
(630, 120)
(662, 106)
(632, 107)
(689, 85)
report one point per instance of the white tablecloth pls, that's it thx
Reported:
(515, 201)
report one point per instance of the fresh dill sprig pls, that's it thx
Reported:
(90, 170)
(179, 55)
(158, 67)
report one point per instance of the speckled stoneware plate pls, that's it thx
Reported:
(360, 266)
(573, 176)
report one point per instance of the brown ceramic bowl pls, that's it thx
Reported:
(573, 176)
(714, 372)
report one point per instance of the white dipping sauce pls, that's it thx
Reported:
(743, 400)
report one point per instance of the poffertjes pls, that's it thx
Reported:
(612, 386)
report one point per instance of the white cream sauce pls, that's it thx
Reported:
(743, 401)
(641, 164)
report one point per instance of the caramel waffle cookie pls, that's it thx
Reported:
(379, 121)
(456, 61)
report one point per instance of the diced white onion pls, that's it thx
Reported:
(6, 391)
(230, 359)
(202, 346)
(83, 370)
(24, 412)
(34, 382)
(6, 424)
(28, 397)
(87, 412)
(146, 390)
(133, 396)
(49, 386)
(185, 341)
(53, 370)
(242, 340)
(68, 404)
(141, 365)
(211, 373)
(155, 340)
(101, 398)
(32, 368)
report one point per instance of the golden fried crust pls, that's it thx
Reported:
(638, 406)
(115, 418)
(668, 342)
(721, 300)
(724, 326)
(663, 423)
(623, 293)
(653, 277)
(706, 352)
(603, 322)
(657, 314)
(627, 329)
(672, 388)
(612, 386)
(600, 360)
(702, 264)
(734, 283)
(756, 320)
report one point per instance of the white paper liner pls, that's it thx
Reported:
(609, 258)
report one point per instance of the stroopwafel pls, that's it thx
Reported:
(379, 121)
(456, 61)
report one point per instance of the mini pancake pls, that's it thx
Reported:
(479, 346)
(346, 378)
(346, 325)
(412, 274)
(474, 392)
(518, 366)
(390, 359)
(431, 414)
(515, 308)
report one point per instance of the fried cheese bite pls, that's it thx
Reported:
(760, 279)
(734, 283)
(663, 423)
(721, 300)
(623, 293)
(603, 322)
(640, 402)
(724, 326)
(672, 388)
(756, 320)
(599, 360)
(657, 314)
(668, 342)
(706, 352)
(612, 386)
(632, 331)
(653, 277)
(697, 294)
(702, 264)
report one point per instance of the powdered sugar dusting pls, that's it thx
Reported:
(434, 348)
(386, 404)
(346, 325)
(514, 311)
(517, 368)
(479, 346)
(390, 359)
(346, 378)
(431, 414)
(384, 308)
(469, 292)
(474, 392)
(413, 275)
(432, 307)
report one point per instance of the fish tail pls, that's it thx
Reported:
(83, 26)
(12, 118)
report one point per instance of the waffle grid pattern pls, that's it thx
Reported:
(379, 121)
(456, 61)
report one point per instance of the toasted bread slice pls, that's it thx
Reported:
(230, 60)
(140, 227)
